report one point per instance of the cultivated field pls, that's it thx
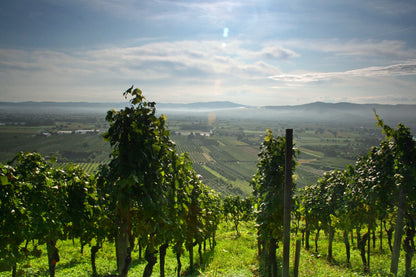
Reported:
(223, 151)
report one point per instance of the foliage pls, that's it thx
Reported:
(13, 213)
(238, 210)
(380, 185)
(268, 184)
(404, 157)
(158, 196)
(47, 203)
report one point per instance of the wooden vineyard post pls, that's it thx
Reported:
(287, 201)
(297, 257)
(398, 233)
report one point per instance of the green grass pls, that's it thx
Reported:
(233, 256)
(316, 264)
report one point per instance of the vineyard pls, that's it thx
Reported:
(150, 204)
(334, 206)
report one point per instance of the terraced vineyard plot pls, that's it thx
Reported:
(188, 148)
(198, 157)
(216, 181)
(245, 169)
(195, 152)
(307, 175)
(90, 168)
(206, 174)
(236, 153)
(232, 141)
(225, 171)
(233, 171)
(220, 154)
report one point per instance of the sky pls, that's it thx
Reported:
(253, 52)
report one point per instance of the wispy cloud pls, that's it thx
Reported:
(190, 59)
(404, 69)
(355, 47)
(375, 84)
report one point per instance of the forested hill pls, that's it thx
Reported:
(344, 106)
(347, 112)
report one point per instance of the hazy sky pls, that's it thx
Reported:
(250, 52)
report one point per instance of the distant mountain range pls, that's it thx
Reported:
(345, 112)
(317, 111)
(341, 106)
(214, 105)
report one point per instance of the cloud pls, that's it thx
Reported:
(364, 48)
(189, 70)
(211, 8)
(185, 59)
(215, 12)
(389, 84)
(188, 59)
(404, 69)
(276, 53)
(192, 67)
